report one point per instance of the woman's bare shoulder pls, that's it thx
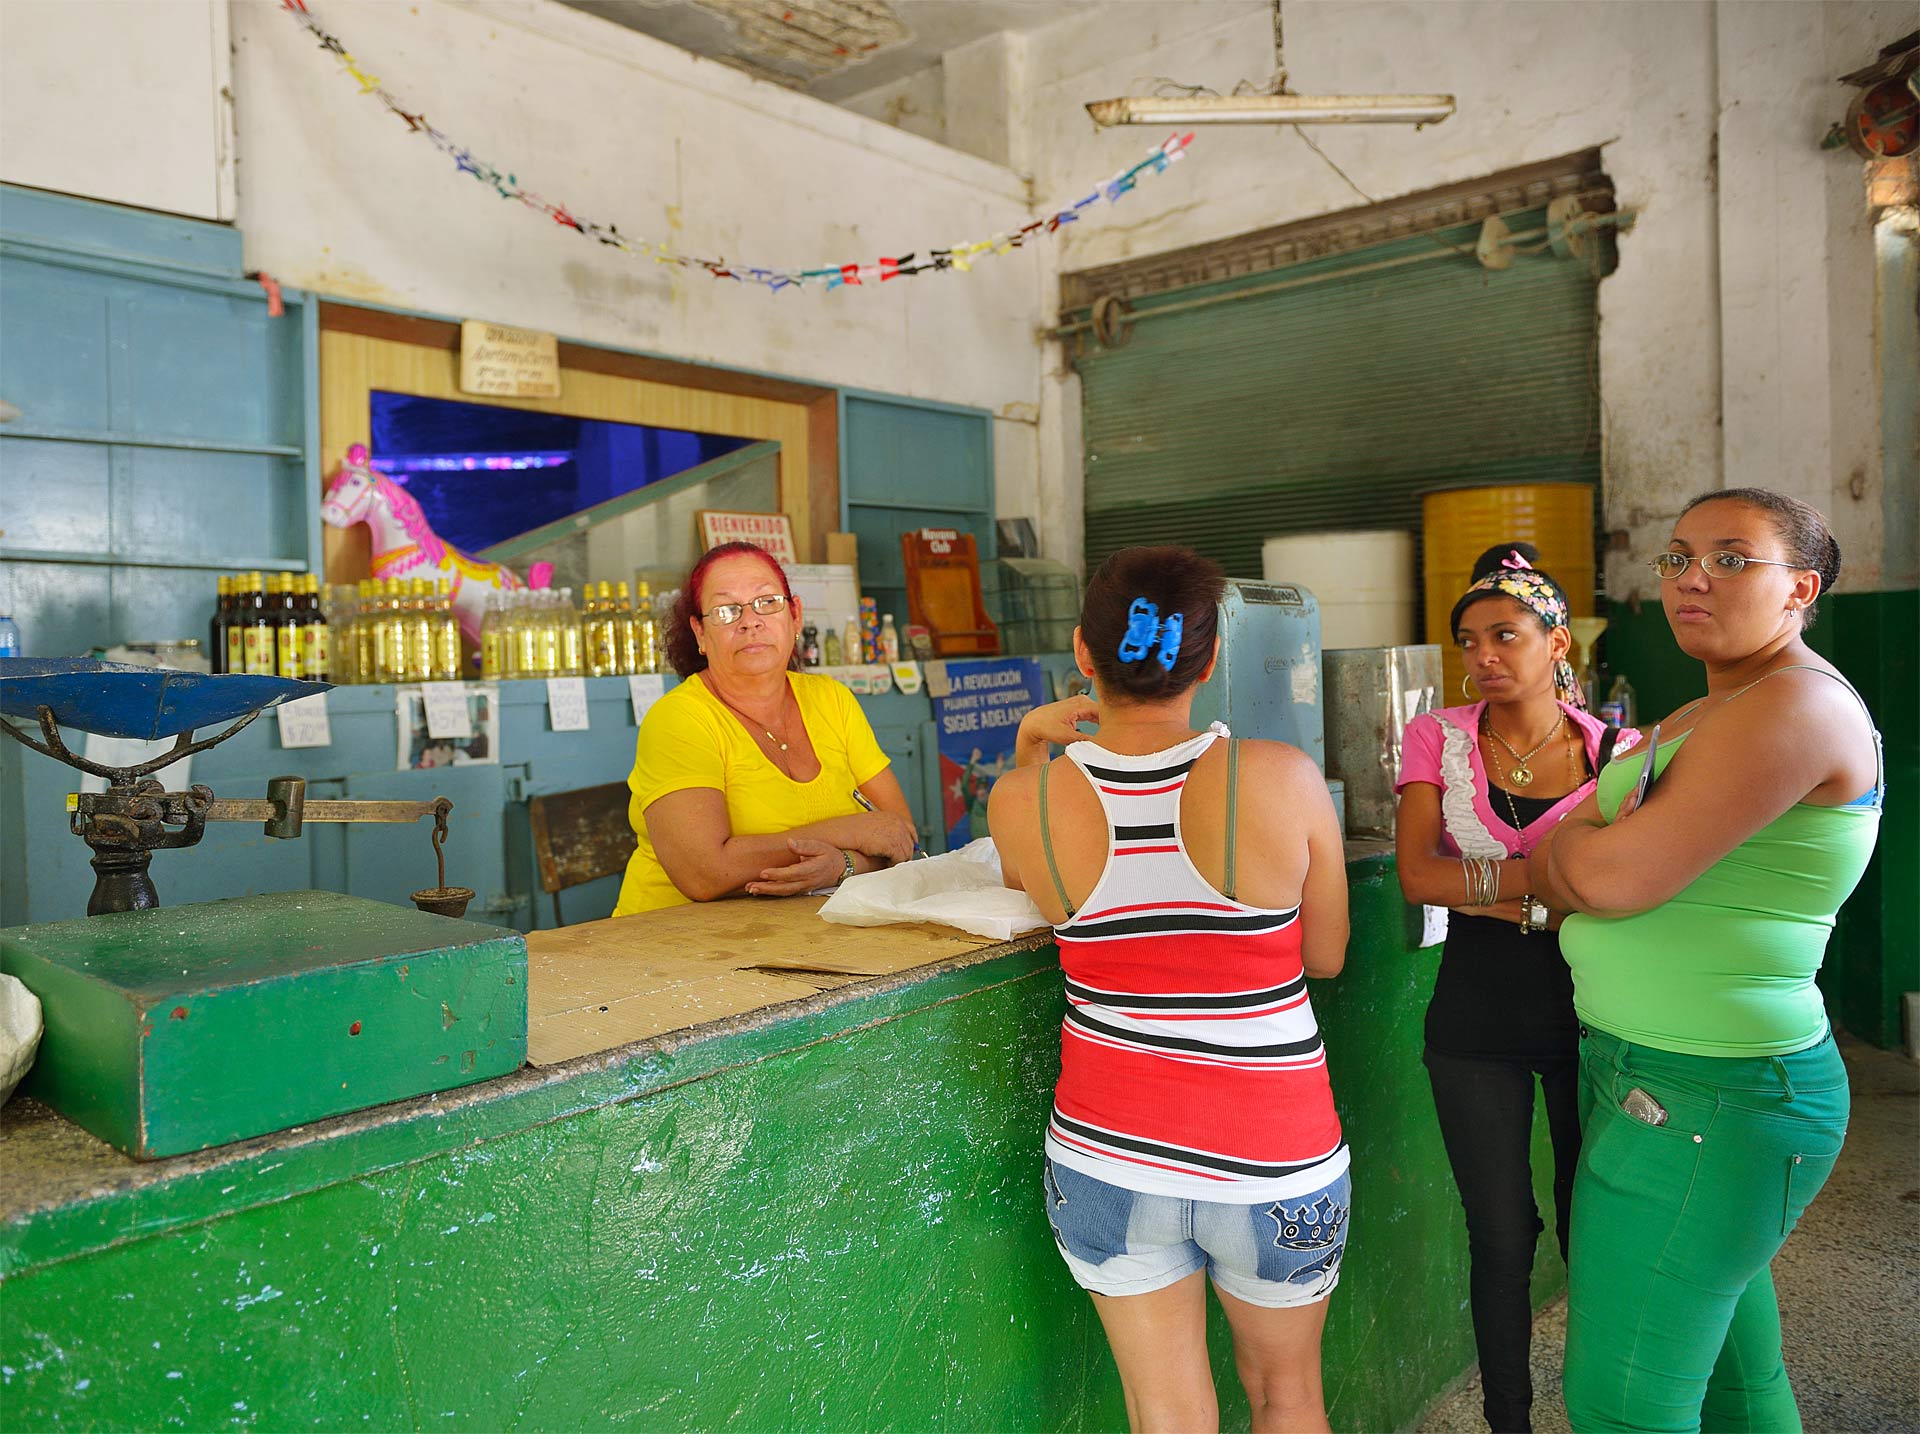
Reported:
(1275, 758)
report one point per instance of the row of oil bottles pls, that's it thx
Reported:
(542, 634)
(406, 630)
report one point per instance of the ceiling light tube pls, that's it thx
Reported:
(1274, 109)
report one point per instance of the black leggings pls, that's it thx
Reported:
(1486, 1119)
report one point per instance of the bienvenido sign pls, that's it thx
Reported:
(507, 362)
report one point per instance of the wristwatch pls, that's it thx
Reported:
(852, 871)
(1534, 915)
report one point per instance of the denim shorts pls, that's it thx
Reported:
(1276, 1253)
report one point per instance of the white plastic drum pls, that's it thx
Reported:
(1363, 581)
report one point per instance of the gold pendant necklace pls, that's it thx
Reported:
(762, 726)
(1520, 774)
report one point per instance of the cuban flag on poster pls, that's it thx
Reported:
(977, 722)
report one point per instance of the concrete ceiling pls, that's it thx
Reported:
(832, 49)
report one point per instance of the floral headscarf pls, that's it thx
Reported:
(1539, 594)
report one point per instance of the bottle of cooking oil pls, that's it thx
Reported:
(449, 654)
(572, 637)
(547, 612)
(366, 630)
(420, 630)
(599, 633)
(490, 664)
(647, 639)
(526, 640)
(390, 636)
(625, 659)
(340, 610)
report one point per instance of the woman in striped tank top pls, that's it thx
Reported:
(1195, 882)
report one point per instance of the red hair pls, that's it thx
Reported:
(682, 651)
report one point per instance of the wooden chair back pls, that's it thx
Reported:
(580, 836)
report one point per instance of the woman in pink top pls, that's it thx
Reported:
(1481, 786)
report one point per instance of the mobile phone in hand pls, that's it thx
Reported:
(1646, 770)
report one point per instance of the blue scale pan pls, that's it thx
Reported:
(117, 699)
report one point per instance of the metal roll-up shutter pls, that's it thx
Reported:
(1333, 391)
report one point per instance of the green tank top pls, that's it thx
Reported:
(1725, 968)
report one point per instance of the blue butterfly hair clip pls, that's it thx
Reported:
(1145, 632)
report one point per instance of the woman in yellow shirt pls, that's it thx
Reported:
(749, 777)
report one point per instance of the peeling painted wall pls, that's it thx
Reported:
(1736, 336)
(122, 100)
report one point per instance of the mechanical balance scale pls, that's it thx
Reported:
(172, 1030)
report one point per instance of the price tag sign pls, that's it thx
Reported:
(304, 723)
(446, 707)
(567, 703)
(645, 688)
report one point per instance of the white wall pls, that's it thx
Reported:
(335, 196)
(123, 100)
(1736, 335)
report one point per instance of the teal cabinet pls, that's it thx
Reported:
(906, 464)
(168, 423)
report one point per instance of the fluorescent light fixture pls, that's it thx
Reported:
(1275, 109)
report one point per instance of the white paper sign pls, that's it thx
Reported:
(446, 706)
(304, 723)
(1433, 925)
(645, 688)
(567, 703)
(130, 752)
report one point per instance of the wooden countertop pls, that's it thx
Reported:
(603, 984)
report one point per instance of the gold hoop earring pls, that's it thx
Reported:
(1465, 678)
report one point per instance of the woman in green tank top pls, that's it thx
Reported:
(1712, 1097)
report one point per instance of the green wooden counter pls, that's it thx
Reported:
(809, 1196)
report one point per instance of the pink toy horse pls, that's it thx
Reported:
(405, 546)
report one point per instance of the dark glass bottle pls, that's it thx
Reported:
(217, 628)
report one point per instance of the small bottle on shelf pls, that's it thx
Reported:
(526, 640)
(392, 636)
(889, 639)
(602, 658)
(850, 642)
(368, 644)
(316, 636)
(572, 640)
(626, 656)
(420, 630)
(449, 655)
(256, 628)
(491, 624)
(288, 661)
(222, 621)
(647, 630)
(340, 610)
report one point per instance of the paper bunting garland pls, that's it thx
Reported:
(959, 257)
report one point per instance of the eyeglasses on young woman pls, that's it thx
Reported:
(1714, 565)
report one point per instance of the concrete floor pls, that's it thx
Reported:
(1848, 1279)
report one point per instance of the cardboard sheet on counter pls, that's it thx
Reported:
(603, 984)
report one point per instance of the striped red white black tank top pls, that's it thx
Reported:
(1190, 1061)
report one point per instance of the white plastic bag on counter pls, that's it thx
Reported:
(20, 1027)
(962, 888)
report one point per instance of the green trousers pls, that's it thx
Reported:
(1671, 1319)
